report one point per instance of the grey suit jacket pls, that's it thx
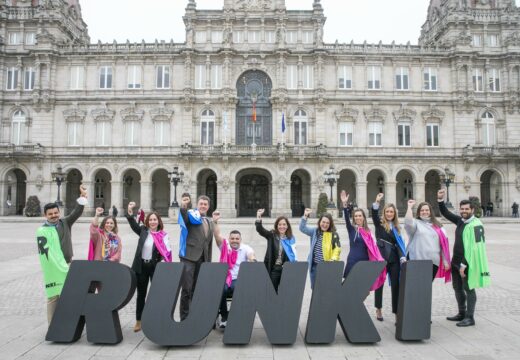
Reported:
(198, 245)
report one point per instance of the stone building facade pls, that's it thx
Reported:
(118, 117)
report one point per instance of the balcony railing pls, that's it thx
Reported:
(21, 150)
(491, 151)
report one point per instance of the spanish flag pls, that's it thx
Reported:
(254, 111)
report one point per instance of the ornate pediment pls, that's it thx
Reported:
(405, 114)
(161, 113)
(433, 114)
(376, 113)
(132, 114)
(346, 114)
(74, 115)
(103, 114)
(513, 39)
(252, 5)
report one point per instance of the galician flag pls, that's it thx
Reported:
(254, 111)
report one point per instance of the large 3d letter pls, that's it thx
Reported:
(333, 301)
(79, 304)
(158, 323)
(279, 313)
(415, 301)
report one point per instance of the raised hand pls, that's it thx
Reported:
(307, 212)
(216, 216)
(379, 197)
(83, 191)
(259, 213)
(99, 211)
(344, 198)
(411, 203)
(131, 206)
(440, 194)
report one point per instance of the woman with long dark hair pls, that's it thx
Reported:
(105, 243)
(280, 246)
(153, 247)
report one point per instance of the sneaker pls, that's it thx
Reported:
(221, 324)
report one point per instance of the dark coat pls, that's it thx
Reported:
(273, 244)
(143, 232)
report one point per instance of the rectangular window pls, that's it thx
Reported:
(492, 40)
(401, 79)
(74, 131)
(162, 131)
(432, 135)
(134, 77)
(430, 79)
(270, 37)
(163, 77)
(292, 37)
(300, 133)
(345, 77)
(14, 38)
(76, 77)
(200, 76)
(103, 133)
(238, 37)
(478, 80)
(308, 37)
(132, 133)
(18, 135)
(494, 80)
(207, 133)
(308, 76)
(216, 76)
(30, 38)
(28, 77)
(477, 40)
(200, 37)
(488, 133)
(375, 133)
(105, 77)
(346, 134)
(253, 37)
(292, 76)
(374, 77)
(403, 135)
(216, 37)
(12, 78)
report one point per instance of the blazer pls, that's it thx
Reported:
(381, 233)
(197, 244)
(272, 246)
(143, 233)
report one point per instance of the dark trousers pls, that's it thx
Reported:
(394, 269)
(189, 277)
(228, 292)
(434, 271)
(463, 294)
(145, 276)
(276, 275)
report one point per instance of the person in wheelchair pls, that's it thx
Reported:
(232, 253)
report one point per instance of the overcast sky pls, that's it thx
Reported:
(358, 20)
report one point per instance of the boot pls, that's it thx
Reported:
(468, 321)
(137, 326)
(459, 317)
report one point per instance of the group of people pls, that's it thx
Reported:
(427, 240)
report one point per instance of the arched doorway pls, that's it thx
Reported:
(432, 186)
(161, 192)
(254, 94)
(491, 193)
(253, 192)
(16, 192)
(131, 188)
(103, 190)
(347, 181)
(207, 185)
(404, 191)
(73, 181)
(375, 185)
(300, 192)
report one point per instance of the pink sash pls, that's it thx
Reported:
(228, 256)
(91, 249)
(158, 240)
(445, 248)
(373, 255)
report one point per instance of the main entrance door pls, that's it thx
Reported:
(253, 192)
(254, 91)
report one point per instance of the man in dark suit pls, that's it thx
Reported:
(198, 250)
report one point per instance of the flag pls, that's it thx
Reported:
(254, 111)
(283, 123)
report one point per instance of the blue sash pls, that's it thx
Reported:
(399, 240)
(289, 248)
(195, 219)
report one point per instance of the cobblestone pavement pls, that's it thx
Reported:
(496, 336)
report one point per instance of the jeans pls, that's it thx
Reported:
(228, 292)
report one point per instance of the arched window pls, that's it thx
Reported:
(300, 128)
(19, 128)
(207, 128)
(488, 129)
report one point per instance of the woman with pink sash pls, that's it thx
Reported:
(427, 239)
(153, 247)
(362, 245)
(105, 243)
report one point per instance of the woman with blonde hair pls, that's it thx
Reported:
(393, 249)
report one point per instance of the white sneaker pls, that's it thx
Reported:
(221, 324)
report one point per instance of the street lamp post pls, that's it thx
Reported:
(331, 177)
(447, 178)
(59, 177)
(176, 177)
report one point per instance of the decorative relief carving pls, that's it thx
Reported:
(376, 113)
(346, 113)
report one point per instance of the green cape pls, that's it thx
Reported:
(53, 263)
(475, 254)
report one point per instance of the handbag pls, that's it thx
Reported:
(385, 248)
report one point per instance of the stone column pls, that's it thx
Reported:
(117, 196)
(226, 197)
(391, 192)
(361, 194)
(90, 209)
(419, 191)
(146, 196)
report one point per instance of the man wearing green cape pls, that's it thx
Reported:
(469, 264)
(55, 248)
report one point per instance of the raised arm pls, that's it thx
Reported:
(410, 224)
(375, 211)
(259, 227)
(346, 212)
(94, 225)
(78, 209)
(304, 228)
(444, 210)
(131, 220)
(216, 228)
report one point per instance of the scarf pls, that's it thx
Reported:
(445, 249)
(399, 240)
(195, 219)
(228, 256)
(91, 250)
(158, 241)
(53, 263)
(373, 255)
(289, 246)
(475, 254)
